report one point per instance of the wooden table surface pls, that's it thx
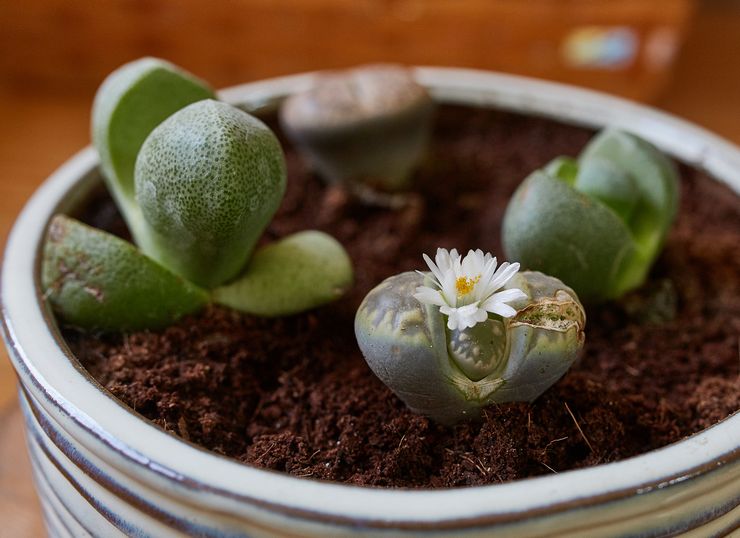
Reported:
(39, 131)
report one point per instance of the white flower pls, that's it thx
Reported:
(467, 287)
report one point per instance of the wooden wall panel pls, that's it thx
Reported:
(69, 45)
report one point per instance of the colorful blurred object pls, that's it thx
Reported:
(597, 47)
(621, 46)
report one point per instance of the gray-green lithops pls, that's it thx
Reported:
(363, 127)
(597, 223)
(450, 370)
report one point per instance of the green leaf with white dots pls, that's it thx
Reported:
(208, 181)
(297, 273)
(97, 281)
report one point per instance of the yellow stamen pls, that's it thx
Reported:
(465, 285)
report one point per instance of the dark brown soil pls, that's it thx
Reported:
(295, 395)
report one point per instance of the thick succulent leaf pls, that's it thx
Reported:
(368, 125)
(609, 183)
(408, 346)
(544, 338)
(208, 180)
(597, 223)
(97, 281)
(131, 102)
(297, 273)
(563, 168)
(551, 227)
(655, 178)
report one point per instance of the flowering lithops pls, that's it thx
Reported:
(450, 343)
(206, 182)
(367, 126)
(597, 223)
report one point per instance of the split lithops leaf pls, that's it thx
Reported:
(597, 223)
(95, 280)
(299, 272)
(208, 180)
(131, 102)
(367, 126)
(449, 373)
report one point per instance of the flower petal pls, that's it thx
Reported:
(449, 290)
(472, 264)
(475, 304)
(485, 288)
(504, 274)
(445, 259)
(452, 316)
(506, 296)
(436, 271)
(427, 295)
(502, 309)
(461, 318)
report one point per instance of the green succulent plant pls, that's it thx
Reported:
(367, 127)
(197, 188)
(597, 223)
(448, 344)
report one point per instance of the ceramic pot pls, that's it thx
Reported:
(104, 470)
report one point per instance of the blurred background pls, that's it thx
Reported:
(625, 46)
(680, 55)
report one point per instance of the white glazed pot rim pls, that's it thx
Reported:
(51, 376)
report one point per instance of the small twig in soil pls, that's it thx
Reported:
(482, 469)
(546, 465)
(478, 465)
(304, 475)
(269, 448)
(403, 438)
(553, 442)
(579, 427)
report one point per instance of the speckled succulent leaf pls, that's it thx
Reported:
(451, 375)
(597, 223)
(97, 281)
(131, 102)
(208, 180)
(297, 273)
(368, 126)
